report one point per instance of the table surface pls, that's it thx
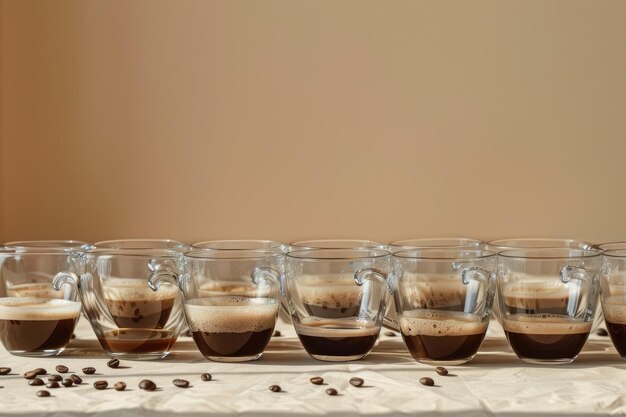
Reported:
(495, 383)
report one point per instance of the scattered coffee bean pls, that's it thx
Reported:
(73, 335)
(100, 385)
(206, 377)
(276, 334)
(55, 378)
(40, 371)
(67, 382)
(356, 382)
(181, 383)
(390, 334)
(35, 382)
(147, 385)
(275, 388)
(119, 386)
(52, 384)
(61, 369)
(30, 375)
(602, 332)
(113, 363)
(4, 371)
(331, 391)
(427, 381)
(77, 380)
(317, 380)
(441, 370)
(89, 370)
(43, 393)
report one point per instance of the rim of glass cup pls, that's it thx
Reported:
(42, 252)
(538, 243)
(615, 253)
(47, 244)
(136, 253)
(337, 254)
(550, 253)
(444, 255)
(226, 255)
(142, 243)
(612, 246)
(338, 244)
(239, 244)
(436, 242)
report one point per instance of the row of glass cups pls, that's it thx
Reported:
(336, 298)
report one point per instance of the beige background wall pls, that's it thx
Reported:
(297, 119)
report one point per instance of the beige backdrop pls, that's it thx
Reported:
(309, 119)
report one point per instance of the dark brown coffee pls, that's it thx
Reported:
(546, 337)
(440, 336)
(137, 341)
(542, 296)
(135, 306)
(231, 326)
(34, 325)
(614, 309)
(328, 338)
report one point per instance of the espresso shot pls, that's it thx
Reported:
(231, 328)
(442, 338)
(331, 296)
(36, 326)
(337, 339)
(614, 308)
(134, 306)
(546, 337)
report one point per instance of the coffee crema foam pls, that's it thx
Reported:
(36, 290)
(550, 324)
(434, 290)
(333, 291)
(31, 308)
(538, 294)
(614, 309)
(336, 328)
(135, 290)
(445, 323)
(231, 315)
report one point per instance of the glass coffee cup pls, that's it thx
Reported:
(35, 320)
(337, 299)
(443, 299)
(547, 300)
(129, 319)
(613, 297)
(231, 300)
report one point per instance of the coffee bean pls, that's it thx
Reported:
(275, 388)
(427, 381)
(77, 380)
(331, 391)
(206, 377)
(89, 370)
(119, 386)
(276, 334)
(67, 382)
(356, 382)
(73, 335)
(36, 382)
(100, 385)
(602, 332)
(4, 371)
(40, 371)
(441, 370)
(390, 334)
(61, 369)
(181, 383)
(52, 384)
(30, 375)
(113, 363)
(317, 380)
(147, 385)
(43, 393)
(55, 378)
(188, 333)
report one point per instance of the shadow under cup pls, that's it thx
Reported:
(444, 299)
(129, 319)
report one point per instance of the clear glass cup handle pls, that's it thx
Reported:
(366, 274)
(474, 277)
(159, 277)
(263, 275)
(574, 276)
(68, 282)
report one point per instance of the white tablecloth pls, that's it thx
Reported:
(495, 383)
